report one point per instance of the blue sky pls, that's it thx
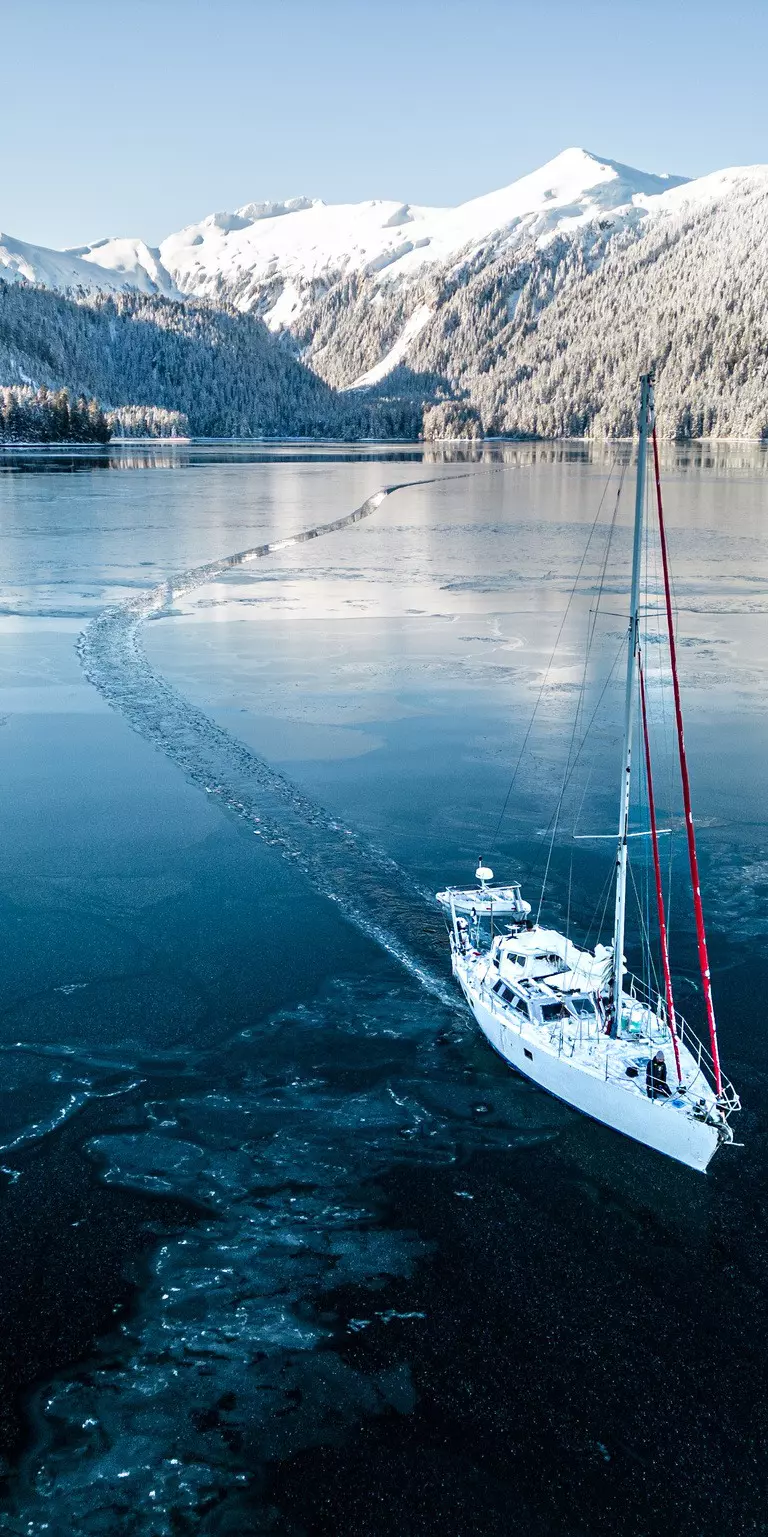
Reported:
(138, 118)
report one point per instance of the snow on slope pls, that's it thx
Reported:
(53, 269)
(265, 255)
(412, 328)
(705, 192)
(108, 266)
(301, 242)
(132, 263)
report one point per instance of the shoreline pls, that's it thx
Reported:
(415, 444)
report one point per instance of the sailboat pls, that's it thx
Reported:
(573, 1020)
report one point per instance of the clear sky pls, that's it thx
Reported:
(138, 117)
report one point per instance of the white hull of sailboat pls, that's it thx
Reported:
(654, 1122)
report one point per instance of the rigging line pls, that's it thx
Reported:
(577, 719)
(646, 850)
(553, 654)
(643, 930)
(667, 723)
(594, 613)
(601, 584)
(701, 936)
(667, 726)
(649, 975)
(603, 691)
(604, 894)
(669, 739)
(587, 783)
(558, 809)
(591, 627)
(608, 895)
(579, 712)
(653, 620)
(566, 780)
(671, 1023)
(674, 793)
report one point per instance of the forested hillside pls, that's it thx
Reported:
(689, 298)
(549, 342)
(221, 370)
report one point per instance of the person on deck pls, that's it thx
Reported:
(656, 1086)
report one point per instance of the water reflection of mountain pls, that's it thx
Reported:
(722, 457)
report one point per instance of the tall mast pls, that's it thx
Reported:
(645, 423)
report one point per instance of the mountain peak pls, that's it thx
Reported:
(576, 171)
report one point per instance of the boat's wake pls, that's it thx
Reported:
(369, 888)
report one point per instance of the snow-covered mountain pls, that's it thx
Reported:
(127, 264)
(441, 305)
(278, 251)
(108, 266)
(63, 270)
(272, 256)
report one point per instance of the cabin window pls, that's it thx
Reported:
(505, 993)
(551, 1011)
(583, 1007)
(520, 1005)
(527, 1053)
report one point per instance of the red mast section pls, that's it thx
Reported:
(701, 935)
(657, 872)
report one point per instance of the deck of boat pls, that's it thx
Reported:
(620, 1059)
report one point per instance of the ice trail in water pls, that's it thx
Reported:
(370, 889)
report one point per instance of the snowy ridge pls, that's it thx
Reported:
(253, 255)
(132, 263)
(108, 266)
(54, 269)
(305, 242)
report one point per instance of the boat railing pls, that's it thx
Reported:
(655, 1011)
(656, 1031)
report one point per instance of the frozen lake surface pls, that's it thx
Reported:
(287, 1249)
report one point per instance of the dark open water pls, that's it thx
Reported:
(285, 1248)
